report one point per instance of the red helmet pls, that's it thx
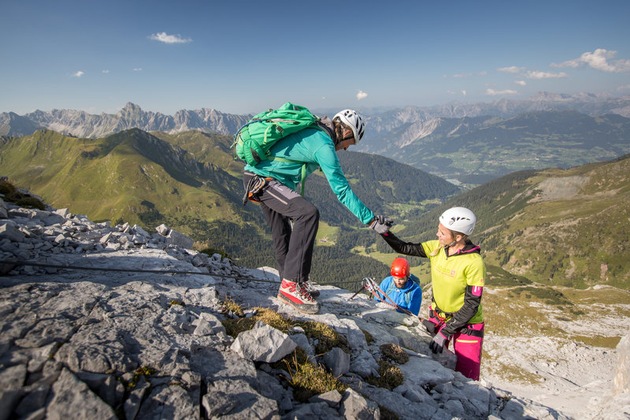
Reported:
(400, 268)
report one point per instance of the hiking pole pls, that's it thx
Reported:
(363, 286)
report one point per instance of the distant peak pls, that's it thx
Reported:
(130, 106)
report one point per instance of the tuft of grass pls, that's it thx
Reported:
(308, 379)
(145, 371)
(326, 337)
(368, 337)
(387, 414)
(234, 327)
(210, 251)
(390, 376)
(395, 353)
(229, 305)
(174, 302)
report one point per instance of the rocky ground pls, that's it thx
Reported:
(137, 333)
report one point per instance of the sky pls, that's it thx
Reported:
(243, 56)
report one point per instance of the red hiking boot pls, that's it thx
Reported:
(296, 295)
(310, 288)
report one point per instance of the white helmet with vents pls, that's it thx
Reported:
(352, 120)
(459, 219)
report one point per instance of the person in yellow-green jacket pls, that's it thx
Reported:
(293, 219)
(458, 275)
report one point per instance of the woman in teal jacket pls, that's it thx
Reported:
(293, 219)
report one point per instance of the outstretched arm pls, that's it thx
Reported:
(402, 247)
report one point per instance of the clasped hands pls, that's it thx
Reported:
(381, 224)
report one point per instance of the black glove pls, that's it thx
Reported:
(439, 342)
(430, 326)
(381, 224)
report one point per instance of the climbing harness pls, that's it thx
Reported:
(254, 186)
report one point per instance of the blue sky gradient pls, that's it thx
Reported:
(242, 56)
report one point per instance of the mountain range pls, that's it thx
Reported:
(468, 144)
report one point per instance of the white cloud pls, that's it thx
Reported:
(169, 39)
(521, 82)
(492, 92)
(600, 59)
(535, 74)
(462, 92)
(105, 71)
(511, 69)
(78, 74)
(361, 95)
(137, 69)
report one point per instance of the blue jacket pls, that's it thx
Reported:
(314, 148)
(408, 297)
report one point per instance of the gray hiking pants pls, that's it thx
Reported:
(294, 222)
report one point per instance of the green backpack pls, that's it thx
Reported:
(254, 139)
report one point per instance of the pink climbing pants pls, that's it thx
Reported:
(467, 348)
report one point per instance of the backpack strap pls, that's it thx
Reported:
(303, 173)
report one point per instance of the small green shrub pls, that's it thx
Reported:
(174, 302)
(390, 376)
(211, 251)
(308, 380)
(229, 305)
(387, 414)
(395, 353)
(145, 371)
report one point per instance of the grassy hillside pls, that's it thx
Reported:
(130, 176)
(209, 149)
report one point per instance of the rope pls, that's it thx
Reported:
(130, 270)
(137, 270)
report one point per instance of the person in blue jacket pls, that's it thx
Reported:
(402, 287)
(293, 219)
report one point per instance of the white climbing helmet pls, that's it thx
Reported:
(352, 120)
(459, 219)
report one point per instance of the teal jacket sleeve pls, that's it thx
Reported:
(327, 159)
